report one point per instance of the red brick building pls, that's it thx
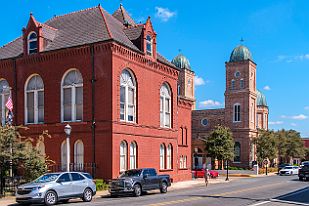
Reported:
(306, 142)
(245, 111)
(101, 74)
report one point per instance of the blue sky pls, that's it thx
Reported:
(276, 32)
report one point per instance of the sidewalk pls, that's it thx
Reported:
(175, 186)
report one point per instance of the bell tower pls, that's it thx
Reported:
(240, 103)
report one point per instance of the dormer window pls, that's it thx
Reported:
(149, 45)
(32, 43)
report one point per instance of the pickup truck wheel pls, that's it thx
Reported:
(137, 190)
(50, 198)
(163, 188)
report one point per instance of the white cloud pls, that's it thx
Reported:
(275, 123)
(299, 117)
(306, 108)
(209, 103)
(164, 13)
(198, 81)
(296, 117)
(292, 58)
(267, 88)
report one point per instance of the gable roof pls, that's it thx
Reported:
(122, 15)
(80, 28)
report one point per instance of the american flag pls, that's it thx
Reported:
(9, 104)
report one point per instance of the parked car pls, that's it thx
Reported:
(304, 163)
(282, 165)
(136, 181)
(303, 172)
(51, 188)
(289, 170)
(199, 173)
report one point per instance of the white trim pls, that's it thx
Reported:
(63, 154)
(35, 101)
(164, 110)
(162, 156)
(133, 155)
(73, 97)
(236, 104)
(124, 155)
(76, 152)
(126, 96)
(150, 53)
(32, 40)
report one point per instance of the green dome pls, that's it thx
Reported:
(181, 62)
(240, 53)
(260, 99)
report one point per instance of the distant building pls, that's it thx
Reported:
(306, 142)
(128, 106)
(245, 111)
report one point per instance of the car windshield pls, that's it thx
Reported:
(88, 175)
(131, 173)
(289, 167)
(47, 178)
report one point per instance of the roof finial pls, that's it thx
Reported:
(31, 14)
(120, 3)
(242, 40)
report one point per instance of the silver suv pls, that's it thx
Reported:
(53, 187)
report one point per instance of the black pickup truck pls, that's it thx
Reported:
(136, 181)
(303, 172)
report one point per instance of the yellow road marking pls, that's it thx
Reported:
(215, 195)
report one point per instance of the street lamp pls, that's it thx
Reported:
(67, 130)
(227, 170)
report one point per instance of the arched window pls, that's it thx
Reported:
(162, 156)
(169, 157)
(181, 162)
(32, 43)
(165, 106)
(237, 152)
(149, 45)
(133, 155)
(63, 155)
(232, 84)
(4, 95)
(127, 97)
(242, 83)
(123, 156)
(79, 155)
(72, 96)
(184, 161)
(34, 112)
(41, 148)
(236, 113)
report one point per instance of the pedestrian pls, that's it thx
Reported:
(205, 174)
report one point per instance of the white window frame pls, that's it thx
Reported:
(162, 156)
(79, 155)
(35, 101)
(123, 155)
(185, 162)
(169, 157)
(233, 84)
(181, 162)
(73, 97)
(32, 40)
(164, 112)
(150, 42)
(133, 155)
(126, 87)
(4, 94)
(236, 112)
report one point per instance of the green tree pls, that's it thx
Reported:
(266, 146)
(220, 144)
(281, 138)
(14, 152)
(295, 145)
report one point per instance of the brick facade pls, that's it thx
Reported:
(101, 129)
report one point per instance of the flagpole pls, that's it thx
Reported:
(9, 105)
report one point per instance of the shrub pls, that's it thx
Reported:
(269, 169)
(101, 185)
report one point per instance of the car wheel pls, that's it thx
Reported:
(87, 195)
(50, 198)
(137, 190)
(163, 188)
(300, 178)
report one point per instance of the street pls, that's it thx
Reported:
(273, 190)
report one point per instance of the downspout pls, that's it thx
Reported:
(93, 123)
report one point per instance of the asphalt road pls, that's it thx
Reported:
(265, 191)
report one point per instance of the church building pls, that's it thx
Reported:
(245, 112)
(128, 106)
